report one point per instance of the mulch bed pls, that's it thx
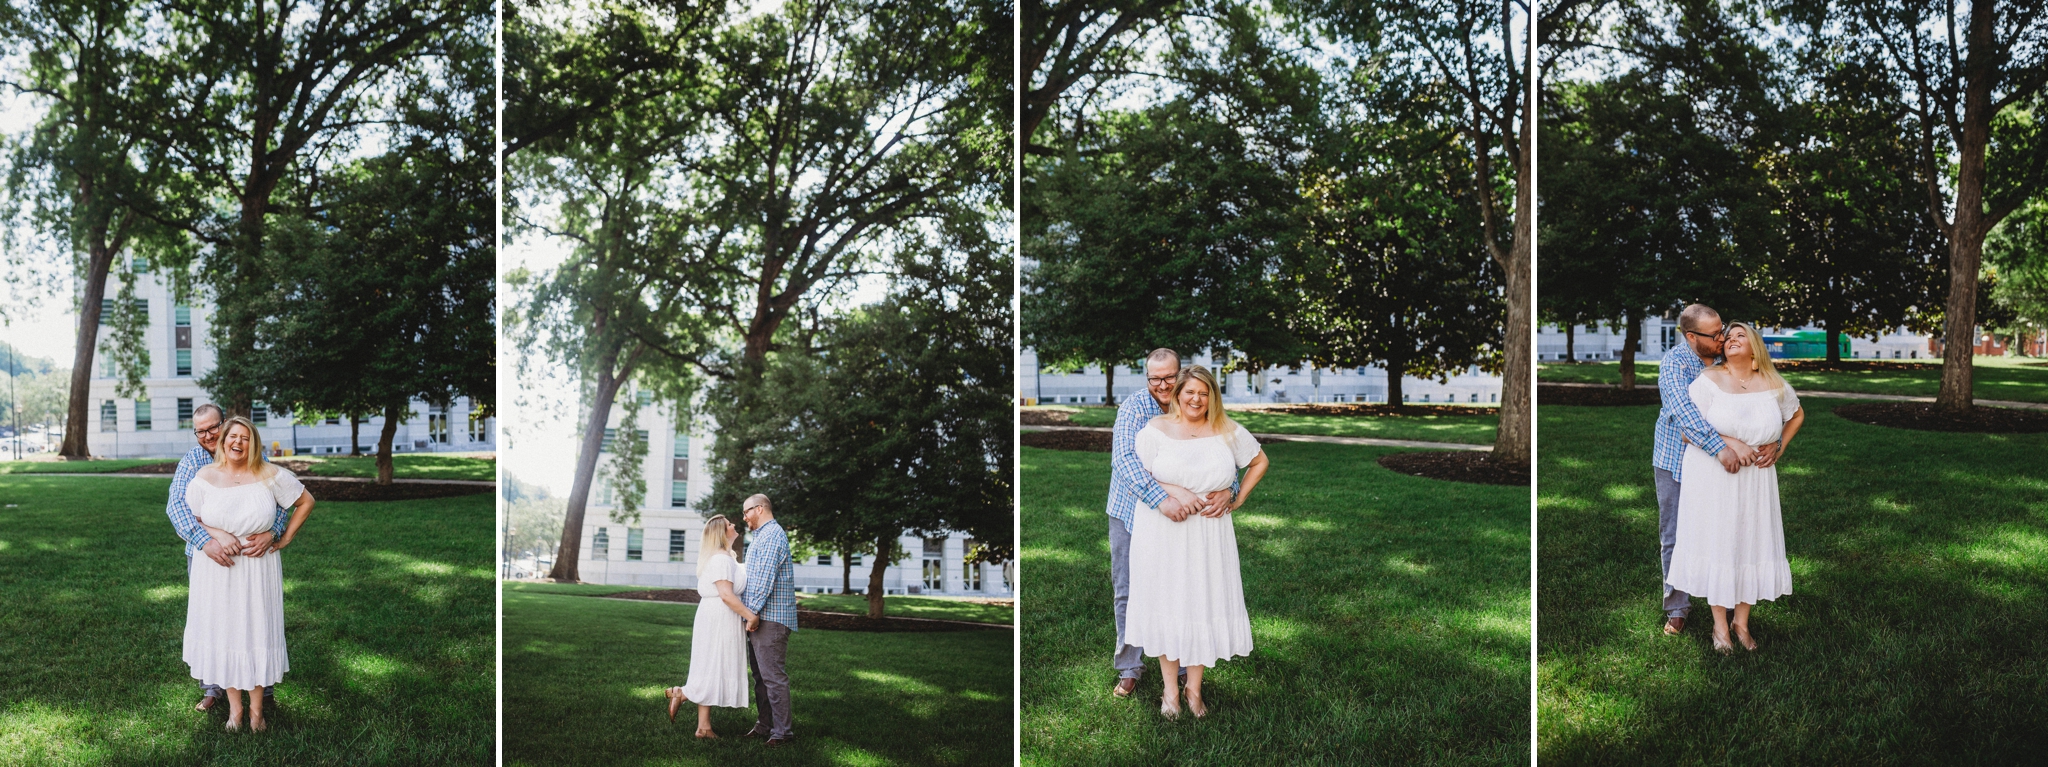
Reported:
(1600, 396)
(1084, 441)
(1368, 410)
(1458, 466)
(813, 619)
(154, 468)
(1045, 418)
(1922, 416)
(1851, 366)
(330, 490)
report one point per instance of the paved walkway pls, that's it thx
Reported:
(801, 613)
(1373, 441)
(1849, 395)
(471, 482)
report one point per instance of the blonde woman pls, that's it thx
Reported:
(234, 615)
(1187, 599)
(1731, 535)
(718, 643)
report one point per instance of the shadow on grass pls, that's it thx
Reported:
(1993, 378)
(388, 617)
(1919, 563)
(1390, 616)
(584, 680)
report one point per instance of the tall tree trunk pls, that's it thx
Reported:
(1571, 354)
(1631, 335)
(607, 389)
(1834, 343)
(845, 573)
(355, 443)
(884, 546)
(77, 419)
(1511, 440)
(385, 468)
(1109, 384)
(1966, 236)
(1397, 369)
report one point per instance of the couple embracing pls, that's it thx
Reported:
(1726, 420)
(744, 620)
(1174, 462)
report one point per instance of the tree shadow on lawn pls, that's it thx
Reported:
(391, 663)
(1389, 615)
(584, 681)
(1919, 562)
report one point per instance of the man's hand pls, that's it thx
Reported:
(1728, 459)
(258, 545)
(229, 544)
(213, 551)
(1218, 503)
(1173, 509)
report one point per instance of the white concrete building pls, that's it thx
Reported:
(159, 425)
(1298, 383)
(663, 547)
(1602, 343)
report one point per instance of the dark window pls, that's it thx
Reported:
(110, 418)
(634, 540)
(678, 545)
(184, 412)
(600, 545)
(142, 415)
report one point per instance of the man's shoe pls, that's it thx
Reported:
(206, 703)
(1674, 625)
(1124, 687)
(780, 742)
(756, 733)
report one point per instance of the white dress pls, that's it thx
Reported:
(718, 640)
(1731, 535)
(234, 616)
(1187, 599)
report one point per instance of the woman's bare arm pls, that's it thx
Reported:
(733, 601)
(300, 508)
(1252, 474)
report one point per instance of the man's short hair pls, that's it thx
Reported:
(218, 414)
(1690, 318)
(751, 502)
(1163, 354)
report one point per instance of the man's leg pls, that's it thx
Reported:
(1129, 661)
(1676, 603)
(769, 645)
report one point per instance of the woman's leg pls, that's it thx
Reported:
(1721, 629)
(256, 710)
(234, 708)
(1195, 691)
(1742, 626)
(704, 722)
(1169, 699)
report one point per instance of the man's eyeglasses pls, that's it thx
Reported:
(1721, 336)
(1162, 379)
(201, 433)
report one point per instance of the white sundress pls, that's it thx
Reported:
(718, 639)
(1731, 532)
(1187, 597)
(234, 616)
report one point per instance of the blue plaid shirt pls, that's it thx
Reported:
(1129, 482)
(1679, 418)
(188, 526)
(771, 576)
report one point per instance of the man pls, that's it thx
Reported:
(1679, 422)
(770, 592)
(206, 420)
(1129, 484)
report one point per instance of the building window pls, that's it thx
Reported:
(142, 416)
(970, 573)
(437, 424)
(601, 545)
(679, 494)
(479, 426)
(634, 539)
(1475, 396)
(109, 417)
(333, 420)
(604, 493)
(259, 413)
(184, 412)
(853, 559)
(935, 564)
(611, 434)
(678, 545)
(825, 559)
(682, 444)
(1425, 398)
(181, 317)
(184, 362)
(138, 265)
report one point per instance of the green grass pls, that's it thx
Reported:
(388, 611)
(412, 466)
(584, 680)
(1474, 429)
(575, 589)
(1390, 616)
(77, 467)
(1995, 378)
(1913, 634)
(910, 607)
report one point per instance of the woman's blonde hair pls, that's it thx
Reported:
(253, 460)
(1759, 356)
(1218, 421)
(717, 533)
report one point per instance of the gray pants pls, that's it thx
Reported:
(1129, 661)
(1676, 603)
(766, 648)
(214, 690)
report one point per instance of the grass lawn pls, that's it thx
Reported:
(1913, 634)
(576, 589)
(584, 680)
(388, 617)
(910, 607)
(1997, 378)
(1390, 615)
(411, 466)
(1476, 429)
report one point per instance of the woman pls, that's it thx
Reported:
(718, 638)
(1731, 536)
(234, 616)
(1187, 600)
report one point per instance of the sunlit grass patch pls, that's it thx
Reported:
(1476, 429)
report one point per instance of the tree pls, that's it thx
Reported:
(2017, 253)
(1066, 42)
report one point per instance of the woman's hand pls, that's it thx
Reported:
(1221, 502)
(753, 621)
(281, 543)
